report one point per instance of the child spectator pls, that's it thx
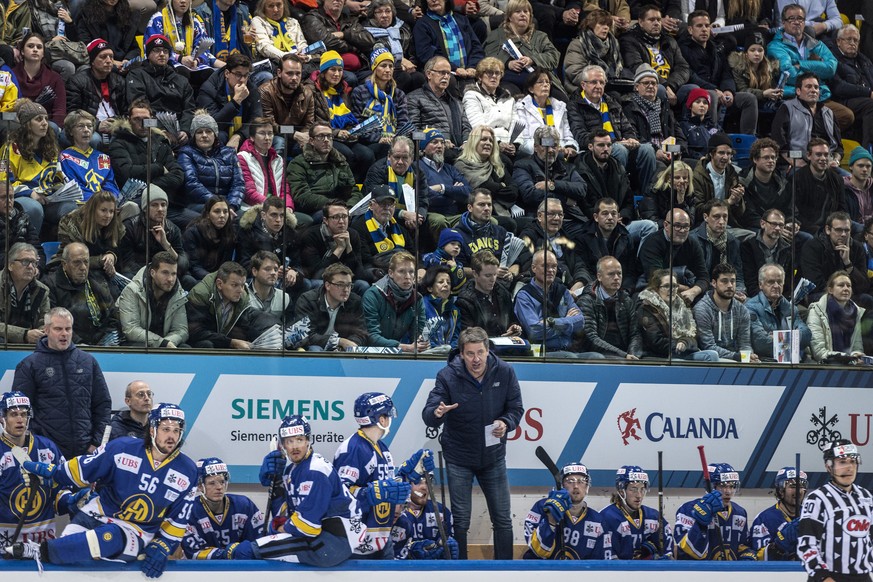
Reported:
(448, 249)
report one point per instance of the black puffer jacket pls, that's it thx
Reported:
(64, 293)
(214, 98)
(597, 320)
(83, 92)
(70, 400)
(165, 89)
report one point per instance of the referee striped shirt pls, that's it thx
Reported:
(834, 532)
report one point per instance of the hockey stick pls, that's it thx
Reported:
(549, 464)
(706, 479)
(274, 446)
(442, 478)
(797, 486)
(441, 527)
(32, 483)
(661, 535)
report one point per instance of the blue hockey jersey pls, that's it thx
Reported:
(584, 537)
(415, 524)
(764, 529)
(91, 170)
(154, 500)
(39, 524)
(630, 531)
(207, 532)
(695, 542)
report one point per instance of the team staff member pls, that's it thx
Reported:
(457, 400)
(774, 531)
(834, 534)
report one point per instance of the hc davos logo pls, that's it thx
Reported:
(658, 426)
(823, 431)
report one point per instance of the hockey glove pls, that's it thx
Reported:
(706, 507)
(747, 555)
(44, 470)
(453, 547)
(271, 468)
(648, 551)
(73, 501)
(277, 524)
(408, 471)
(557, 504)
(154, 559)
(426, 550)
(786, 537)
(386, 491)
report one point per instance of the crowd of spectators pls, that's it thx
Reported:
(377, 175)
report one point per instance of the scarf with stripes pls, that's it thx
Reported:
(384, 239)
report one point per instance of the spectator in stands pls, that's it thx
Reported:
(868, 246)
(611, 320)
(689, 265)
(381, 234)
(89, 168)
(341, 32)
(765, 188)
(185, 31)
(332, 106)
(564, 182)
(85, 295)
(114, 22)
(488, 104)
(668, 329)
(263, 169)
(44, 19)
(128, 152)
(392, 33)
(648, 43)
(208, 241)
(166, 90)
(859, 186)
(595, 45)
(287, 101)
(663, 197)
(720, 247)
(152, 307)
(38, 82)
(333, 309)
(697, 124)
(226, 21)
(534, 46)
(320, 174)
(15, 225)
(651, 115)
(547, 232)
(99, 90)
(330, 242)
(824, 16)
(768, 247)
(277, 35)
(379, 96)
(819, 189)
(771, 311)
(487, 303)
(482, 166)
(799, 53)
(447, 187)
(617, 10)
(835, 323)
(446, 254)
(232, 98)
(269, 227)
(395, 171)
(264, 295)
(709, 70)
(134, 421)
(98, 225)
(442, 318)
(606, 236)
(152, 222)
(754, 73)
(723, 324)
(449, 35)
(210, 168)
(853, 81)
(832, 250)
(32, 154)
(219, 313)
(594, 109)
(554, 319)
(799, 121)
(433, 106)
(393, 311)
(715, 177)
(539, 110)
(479, 232)
(25, 300)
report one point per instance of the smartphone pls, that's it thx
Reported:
(783, 78)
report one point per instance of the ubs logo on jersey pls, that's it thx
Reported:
(430, 520)
(239, 521)
(6, 461)
(127, 462)
(304, 488)
(170, 495)
(176, 480)
(46, 456)
(137, 508)
(857, 526)
(739, 522)
(350, 473)
(593, 529)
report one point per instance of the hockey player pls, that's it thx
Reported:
(695, 532)
(323, 523)
(563, 527)
(365, 465)
(774, 531)
(416, 535)
(219, 518)
(39, 525)
(834, 532)
(143, 508)
(634, 527)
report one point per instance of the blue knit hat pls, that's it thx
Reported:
(430, 134)
(449, 235)
(330, 59)
(379, 55)
(859, 153)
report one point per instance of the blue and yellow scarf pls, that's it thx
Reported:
(546, 112)
(225, 35)
(382, 104)
(340, 114)
(604, 116)
(384, 240)
(281, 37)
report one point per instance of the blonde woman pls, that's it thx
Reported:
(656, 204)
(487, 103)
(481, 165)
(277, 33)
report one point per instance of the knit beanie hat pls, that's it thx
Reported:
(430, 134)
(449, 235)
(859, 153)
(696, 94)
(330, 59)
(645, 70)
(158, 41)
(719, 139)
(95, 47)
(379, 55)
(202, 120)
(753, 38)
(27, 110)
(156, 193)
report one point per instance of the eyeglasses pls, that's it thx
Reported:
(81, 126)
(239, 75)
(338, 217)
(775, 224)
(322, 137)
(555, 214)
(341, 285)
(492, 73)
(680, 226)
(795, 19)
(441, 73)
(648, 83)
(27, 262)
(851, 40)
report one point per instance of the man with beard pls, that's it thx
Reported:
(765, 188)
(447, 187)
(393, 311)
(25, 300)
(151, 222)
(688, 264)
(606, 177)
(718, 244)
(86, 295)
(330, 243)
(774, 531)
(480, 233)
(606, 236)
(487, 303)
(832, 250)
(715, 177)
(768, 247)
(264, 294)
(415, 533)
(289, 102)
(152, 306)
(321, 173)
(231, 98)
(723, 324)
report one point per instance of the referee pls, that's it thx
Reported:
(834, 534)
